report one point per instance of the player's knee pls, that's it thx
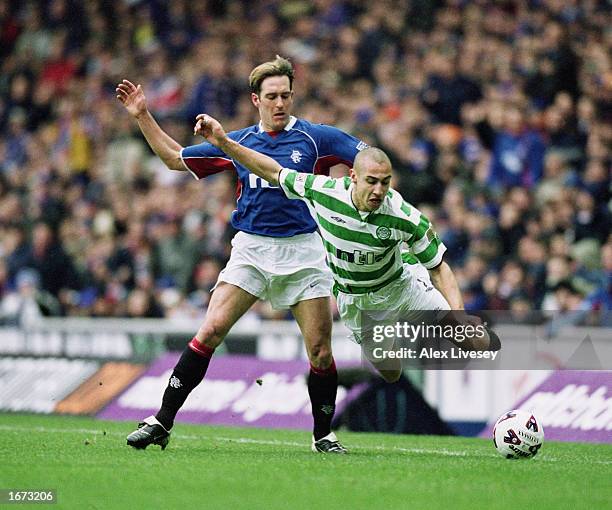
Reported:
(320, 355)
(391, 376)
(320, 335)
(318, 345)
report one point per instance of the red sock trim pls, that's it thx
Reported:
(201, 349)
(324, 371)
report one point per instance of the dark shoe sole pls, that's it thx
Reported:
(161, 442)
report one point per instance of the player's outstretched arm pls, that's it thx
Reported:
(135, 102)
(260, 164)
(444, 280)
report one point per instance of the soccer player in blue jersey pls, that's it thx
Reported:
(277, 253)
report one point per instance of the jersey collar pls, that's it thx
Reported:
(288, 127)
(362, 214)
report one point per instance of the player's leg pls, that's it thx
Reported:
(368, 316)
(300, 280)
(427, 297)
(424, 297)
(483, 339)
(315, 321)
(227, 304)
(389, 368)
(239, 285)
(390, 375)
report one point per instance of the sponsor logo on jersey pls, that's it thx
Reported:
(359, 257)
(338, 219)
(361, 145)
(383, 232)
(296, 156)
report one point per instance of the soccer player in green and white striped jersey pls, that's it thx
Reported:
(362, 230)
(364, 224)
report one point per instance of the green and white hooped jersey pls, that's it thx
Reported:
(363, 248)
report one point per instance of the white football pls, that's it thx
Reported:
(518, 435)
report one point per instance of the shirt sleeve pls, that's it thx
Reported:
(426, 245)
(420, 237)
(335, 146)
(293, 183)
(205, 159)
(299, 185)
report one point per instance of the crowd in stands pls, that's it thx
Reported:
(497, 116)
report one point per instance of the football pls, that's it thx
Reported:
(518, 435)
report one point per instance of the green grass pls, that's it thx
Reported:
(88, 463)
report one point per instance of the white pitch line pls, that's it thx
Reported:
(276, 442)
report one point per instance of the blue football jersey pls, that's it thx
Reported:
(264, 209)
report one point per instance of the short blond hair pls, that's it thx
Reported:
(278, 67)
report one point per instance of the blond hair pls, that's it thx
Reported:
(278, 67)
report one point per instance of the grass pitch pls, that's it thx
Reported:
(88, 463)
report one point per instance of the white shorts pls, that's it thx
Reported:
(412, 291)
(283, 270)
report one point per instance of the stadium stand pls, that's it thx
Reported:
(497, 117)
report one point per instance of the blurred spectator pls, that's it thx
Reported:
(174, 254)
(600, 299)
(446, 91)
(592, 220)
(496, 116)
(141, 303)
(59, 68)
(204, 279)
(28, 301)
(47, 256)
(518, 153)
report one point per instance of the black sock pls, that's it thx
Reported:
(187, 374)
(322, 388)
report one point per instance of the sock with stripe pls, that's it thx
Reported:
(188, 373)
(322, 388)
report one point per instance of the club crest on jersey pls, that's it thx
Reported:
(383, 233)
(296, 156)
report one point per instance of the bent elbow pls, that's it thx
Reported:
(174, 162)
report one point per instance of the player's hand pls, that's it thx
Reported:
(471, 320)
(480, 340)
(210, 128)
(132, 97)
(463, 318)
